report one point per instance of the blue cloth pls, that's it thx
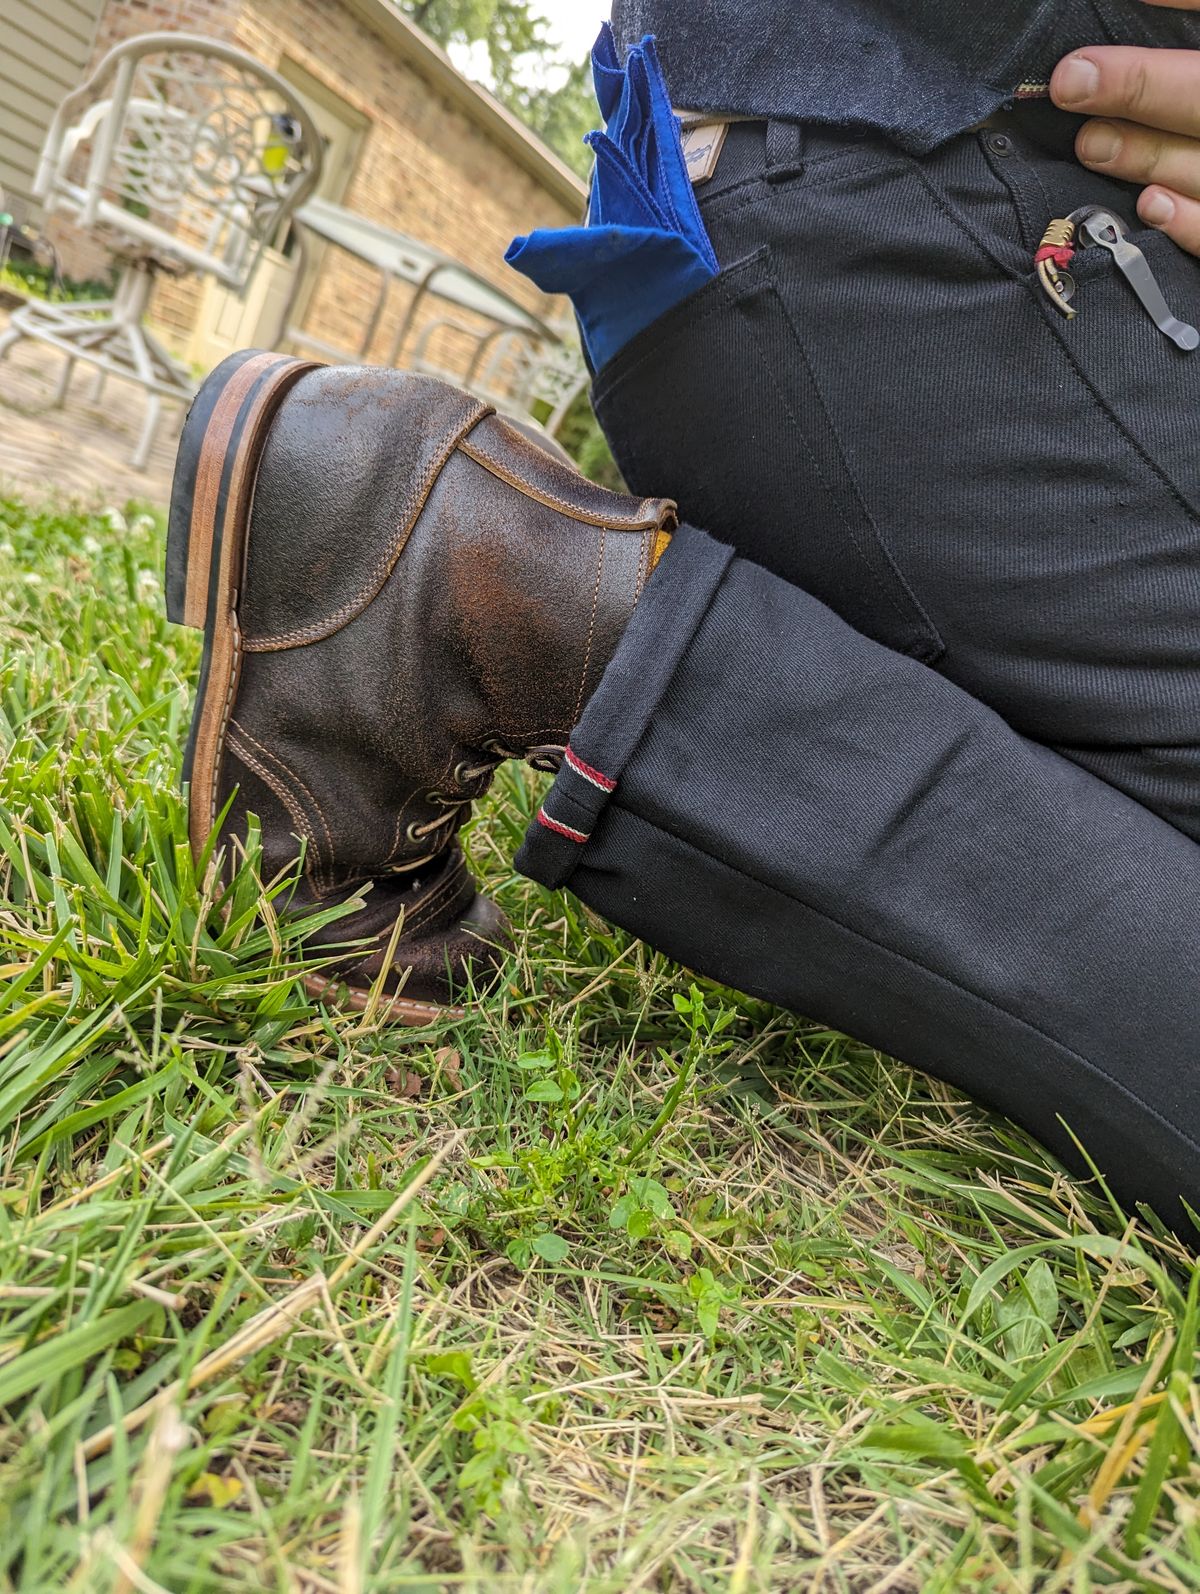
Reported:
(918, 71)
(644, 247)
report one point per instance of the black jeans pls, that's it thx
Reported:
(875, 400)
(838, 811)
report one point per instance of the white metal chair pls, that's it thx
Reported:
(514, 368)
(188, 156)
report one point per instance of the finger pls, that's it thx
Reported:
(1175, 5)
(1159, 88)
(1175, 214)
(1138, 154)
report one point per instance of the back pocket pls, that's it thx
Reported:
(716, 405)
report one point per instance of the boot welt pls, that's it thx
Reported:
(222, 442)
(390, 1010)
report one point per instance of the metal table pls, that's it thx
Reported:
(398, 258)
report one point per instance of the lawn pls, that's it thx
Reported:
(623, 1283)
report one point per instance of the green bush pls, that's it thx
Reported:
(41, 282)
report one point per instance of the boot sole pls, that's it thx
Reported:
(390, 1009)
(207, 532)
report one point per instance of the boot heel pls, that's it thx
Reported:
(222, 442)
(219, 450)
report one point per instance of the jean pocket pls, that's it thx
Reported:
(717, 405)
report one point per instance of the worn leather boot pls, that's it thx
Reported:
(398, 591)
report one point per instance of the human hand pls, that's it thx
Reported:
(1147, 105)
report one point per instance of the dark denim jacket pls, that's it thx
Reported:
(919, 71)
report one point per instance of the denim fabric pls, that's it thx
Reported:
(822, 822)
(875, 400)
(919, 72)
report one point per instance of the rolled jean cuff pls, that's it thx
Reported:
(671, 610)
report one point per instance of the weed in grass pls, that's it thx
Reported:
(624, 1282)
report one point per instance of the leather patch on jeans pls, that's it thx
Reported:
(702, 145)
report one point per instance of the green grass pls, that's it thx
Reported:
(618, 1285)
(37, 282)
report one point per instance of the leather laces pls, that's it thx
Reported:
(546, 756)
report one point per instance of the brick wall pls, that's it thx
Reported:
(424, 166)
(82, 254)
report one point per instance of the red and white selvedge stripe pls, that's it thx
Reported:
(601, 782)
(559, 829)
(595, 778)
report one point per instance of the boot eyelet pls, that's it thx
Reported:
(547, 757)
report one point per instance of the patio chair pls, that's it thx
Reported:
(514, 368)
(188, 156)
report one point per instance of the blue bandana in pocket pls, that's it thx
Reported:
(644, 248)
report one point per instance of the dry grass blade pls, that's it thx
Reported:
(273, 1323)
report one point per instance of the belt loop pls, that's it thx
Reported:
(785, 151)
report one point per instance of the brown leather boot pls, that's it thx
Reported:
(397, 592)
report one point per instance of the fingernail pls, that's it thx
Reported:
(1157, 209)
(1076, 80)
(1099, 143)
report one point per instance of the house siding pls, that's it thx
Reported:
(44, 47)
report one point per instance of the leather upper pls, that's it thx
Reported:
(426, 592)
